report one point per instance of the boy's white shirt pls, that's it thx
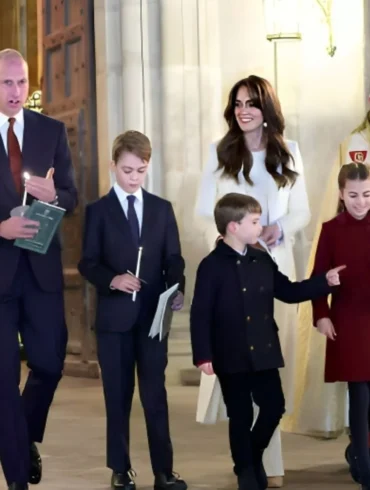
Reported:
(138, 205)
(262, 243)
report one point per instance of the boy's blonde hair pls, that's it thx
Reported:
(132, 142)
(232, 208)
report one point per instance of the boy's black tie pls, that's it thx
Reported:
(132, 219)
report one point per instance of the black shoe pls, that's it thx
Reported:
(247, 480)
(171, 481)
(365, 484)
(259, 470)
(260, 474)
(353, 463)
(35, 473)
(18, 486)
(123, 481)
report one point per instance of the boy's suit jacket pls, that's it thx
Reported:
(232, 314)
(109, 250)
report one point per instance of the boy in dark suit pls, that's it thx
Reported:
(116, 226)
(234, 334)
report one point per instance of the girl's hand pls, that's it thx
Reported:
(333, 275)
(326, 327)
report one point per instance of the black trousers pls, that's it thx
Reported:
(118, 354)
(39, 317)
(359, 404)
(239, 390)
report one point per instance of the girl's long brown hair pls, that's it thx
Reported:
(351, 171)
(232, 152)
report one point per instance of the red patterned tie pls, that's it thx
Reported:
(15, 156)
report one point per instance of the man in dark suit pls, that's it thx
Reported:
(116, 226)
(31, 285)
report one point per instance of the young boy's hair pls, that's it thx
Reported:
(132, 142)
(232, 208)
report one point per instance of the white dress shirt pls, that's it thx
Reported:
(138, 205)
(242, 253)
(18, 128)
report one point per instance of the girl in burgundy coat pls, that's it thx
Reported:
(346, 322)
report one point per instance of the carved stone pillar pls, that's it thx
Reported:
(127, 40)
(191, 108)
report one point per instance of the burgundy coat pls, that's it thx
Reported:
(346, 241)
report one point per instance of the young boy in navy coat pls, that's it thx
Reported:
(116, 226)
(234, 334)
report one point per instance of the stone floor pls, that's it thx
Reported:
(74, 449)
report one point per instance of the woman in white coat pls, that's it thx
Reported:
(253, 158)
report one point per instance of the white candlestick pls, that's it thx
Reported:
(26, 176)
(24, 198)
(137, 270)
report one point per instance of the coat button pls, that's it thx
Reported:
(238, 262)
(252, 347)
(244, 290)
(266, 317)
(269, 345)
(262, 288)
(248, 318)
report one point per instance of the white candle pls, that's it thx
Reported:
(137, 270)
(26, 176)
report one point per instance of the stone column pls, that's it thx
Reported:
(127, 39)
(288, 89)
(108, 59)
(192, 109)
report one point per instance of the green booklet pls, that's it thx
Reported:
(49, 217)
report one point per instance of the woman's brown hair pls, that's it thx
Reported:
(232, 152)
(351, 171)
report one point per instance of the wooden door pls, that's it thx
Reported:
(69, 94)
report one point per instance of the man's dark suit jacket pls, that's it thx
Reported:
(45, 145)
(109, 250)
(232, 314)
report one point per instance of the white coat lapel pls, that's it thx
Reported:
(272, 200)
(277, 199)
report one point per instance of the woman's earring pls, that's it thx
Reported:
(265, 124)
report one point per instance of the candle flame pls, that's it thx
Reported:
(26, 175)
